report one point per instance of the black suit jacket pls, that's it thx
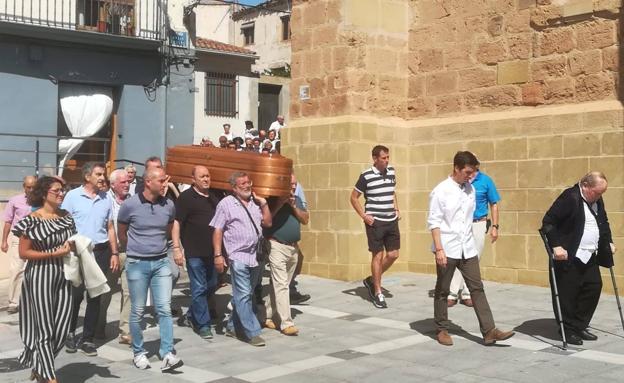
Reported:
(564, 222)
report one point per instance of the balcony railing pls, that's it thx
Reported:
(134, 18)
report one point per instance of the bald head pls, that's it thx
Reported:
(593, 186)
(153, 173)
(155, 182)
(29, 184)
(201, 178)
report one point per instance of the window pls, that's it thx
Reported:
(248, 34)
(285, 28)
(221, 94)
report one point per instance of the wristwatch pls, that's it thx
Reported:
(495, 226)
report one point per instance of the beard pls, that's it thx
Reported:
(245, 195)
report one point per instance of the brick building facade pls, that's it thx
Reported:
(531, 86)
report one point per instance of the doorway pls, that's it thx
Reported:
(268, 104)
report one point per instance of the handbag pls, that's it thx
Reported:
(263, 246)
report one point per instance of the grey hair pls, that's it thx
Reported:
(591, 179)
(88, 168)
(130, 167)
(235, 176)
(115, 174)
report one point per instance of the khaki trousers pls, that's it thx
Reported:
(124, 316)
(457, 283)
(16, 271)
(472, 275)
(283, 262)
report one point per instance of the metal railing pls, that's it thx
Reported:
(36, 154)
(135, 18)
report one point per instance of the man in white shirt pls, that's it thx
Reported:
(451, 208)
(277, 125)
(118, 193)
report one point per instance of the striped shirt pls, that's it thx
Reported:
(378, 190)
(239, 236)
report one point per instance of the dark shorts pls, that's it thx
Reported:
(383, 235)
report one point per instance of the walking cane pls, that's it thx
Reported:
(551, 264)
(617, 295)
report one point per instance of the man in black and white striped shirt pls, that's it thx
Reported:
(381, 218)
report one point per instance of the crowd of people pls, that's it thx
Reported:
(252, 140)
(141, 230)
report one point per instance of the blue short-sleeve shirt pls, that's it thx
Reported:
(147, 225)
(91, 215)
(486, 194)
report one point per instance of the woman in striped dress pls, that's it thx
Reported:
(46, 301)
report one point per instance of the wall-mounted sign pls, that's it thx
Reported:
(304, 92)
(179, 39)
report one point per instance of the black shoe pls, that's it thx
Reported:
(574, 339)
(368, 283)
(184, 321)
(586, 335)
(88, 349)
(380, 301)
(70, 343)
(298, 298)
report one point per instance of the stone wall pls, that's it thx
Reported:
(475, 55)
(425, 83)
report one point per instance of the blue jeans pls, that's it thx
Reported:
(203, 278)
(244, 279)
(154, 274)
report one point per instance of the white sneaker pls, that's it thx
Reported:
(171, 362)
(141, 362)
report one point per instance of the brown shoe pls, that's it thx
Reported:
(125, 339)
(495, 334)
(451, 302)
(467, 302)
(290, 331)
(270, 324)
(444, 338)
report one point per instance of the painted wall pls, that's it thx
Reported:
(214, 22)
(212, 126)
(27, 106)
(180, 104)
(268, 44)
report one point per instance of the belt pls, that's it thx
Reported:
(155, 258)
(480, 219)
(101, 246)
(282, 242)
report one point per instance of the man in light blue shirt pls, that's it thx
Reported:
(486, 196)
(92, 211)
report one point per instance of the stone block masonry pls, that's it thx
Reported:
(529, 86)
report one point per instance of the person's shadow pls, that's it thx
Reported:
(545, 328)
(427, 328)
(362, 292)
(10, 365)
(81, 372)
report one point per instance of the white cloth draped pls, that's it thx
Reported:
(86, 109)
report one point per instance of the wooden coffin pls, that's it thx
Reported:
(270, 173)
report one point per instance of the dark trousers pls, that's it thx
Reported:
(472, 276)
(102, 257)
(579, 291)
